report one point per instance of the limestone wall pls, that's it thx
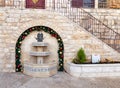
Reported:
(110, 17)
(13, 22)
(21, 3)
(12, 3)
(114, 4)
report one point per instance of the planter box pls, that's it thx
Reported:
(92, 70)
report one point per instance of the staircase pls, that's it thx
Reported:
(88, 22)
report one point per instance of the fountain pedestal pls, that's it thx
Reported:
(40, 59)
(40, 69)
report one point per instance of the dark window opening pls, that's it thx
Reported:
(83, 3)
(40, 4)
(102, 4)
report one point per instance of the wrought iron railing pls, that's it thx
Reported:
(88, 22)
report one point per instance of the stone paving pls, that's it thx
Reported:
(61, 80)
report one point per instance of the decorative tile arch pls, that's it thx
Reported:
(19, 66)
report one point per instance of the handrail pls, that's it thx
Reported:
(101, 22)
(88, 22)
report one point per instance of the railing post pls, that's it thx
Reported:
(54, 4)
(89, 22)
(96, 4)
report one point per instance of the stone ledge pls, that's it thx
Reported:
(39, 53)
(39, 44)
(92, 70)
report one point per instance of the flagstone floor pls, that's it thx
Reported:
(61, 80)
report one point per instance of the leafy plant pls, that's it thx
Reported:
(80, 58)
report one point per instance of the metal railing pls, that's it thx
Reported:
(88, 22)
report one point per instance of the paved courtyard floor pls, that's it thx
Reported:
(61, 80)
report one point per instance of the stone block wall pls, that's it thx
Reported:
(1, 2)
(114, 4)
(12, 3)
(14, 22)
(21, 3)
(110, 17)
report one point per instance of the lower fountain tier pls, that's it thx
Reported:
(37, 70)
(40, 54)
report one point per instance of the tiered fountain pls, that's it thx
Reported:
(40, 69)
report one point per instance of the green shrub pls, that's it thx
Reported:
(80, 58)
(76, 61)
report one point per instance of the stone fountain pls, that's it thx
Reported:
(40, 69)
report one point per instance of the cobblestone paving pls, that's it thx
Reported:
(61, 80)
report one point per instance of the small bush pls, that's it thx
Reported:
(80, 58)
(76, 61)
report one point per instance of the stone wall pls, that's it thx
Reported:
(110, 17)
(14, 22)
(21, 3)
(12, 3)
(114, 4)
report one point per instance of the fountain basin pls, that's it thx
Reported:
(40, 70)
(42, 54)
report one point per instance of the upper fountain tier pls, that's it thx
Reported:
(39, 44)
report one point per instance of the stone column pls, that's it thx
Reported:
(39, 58)
(96, 4)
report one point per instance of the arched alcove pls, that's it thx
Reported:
(54, 34)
